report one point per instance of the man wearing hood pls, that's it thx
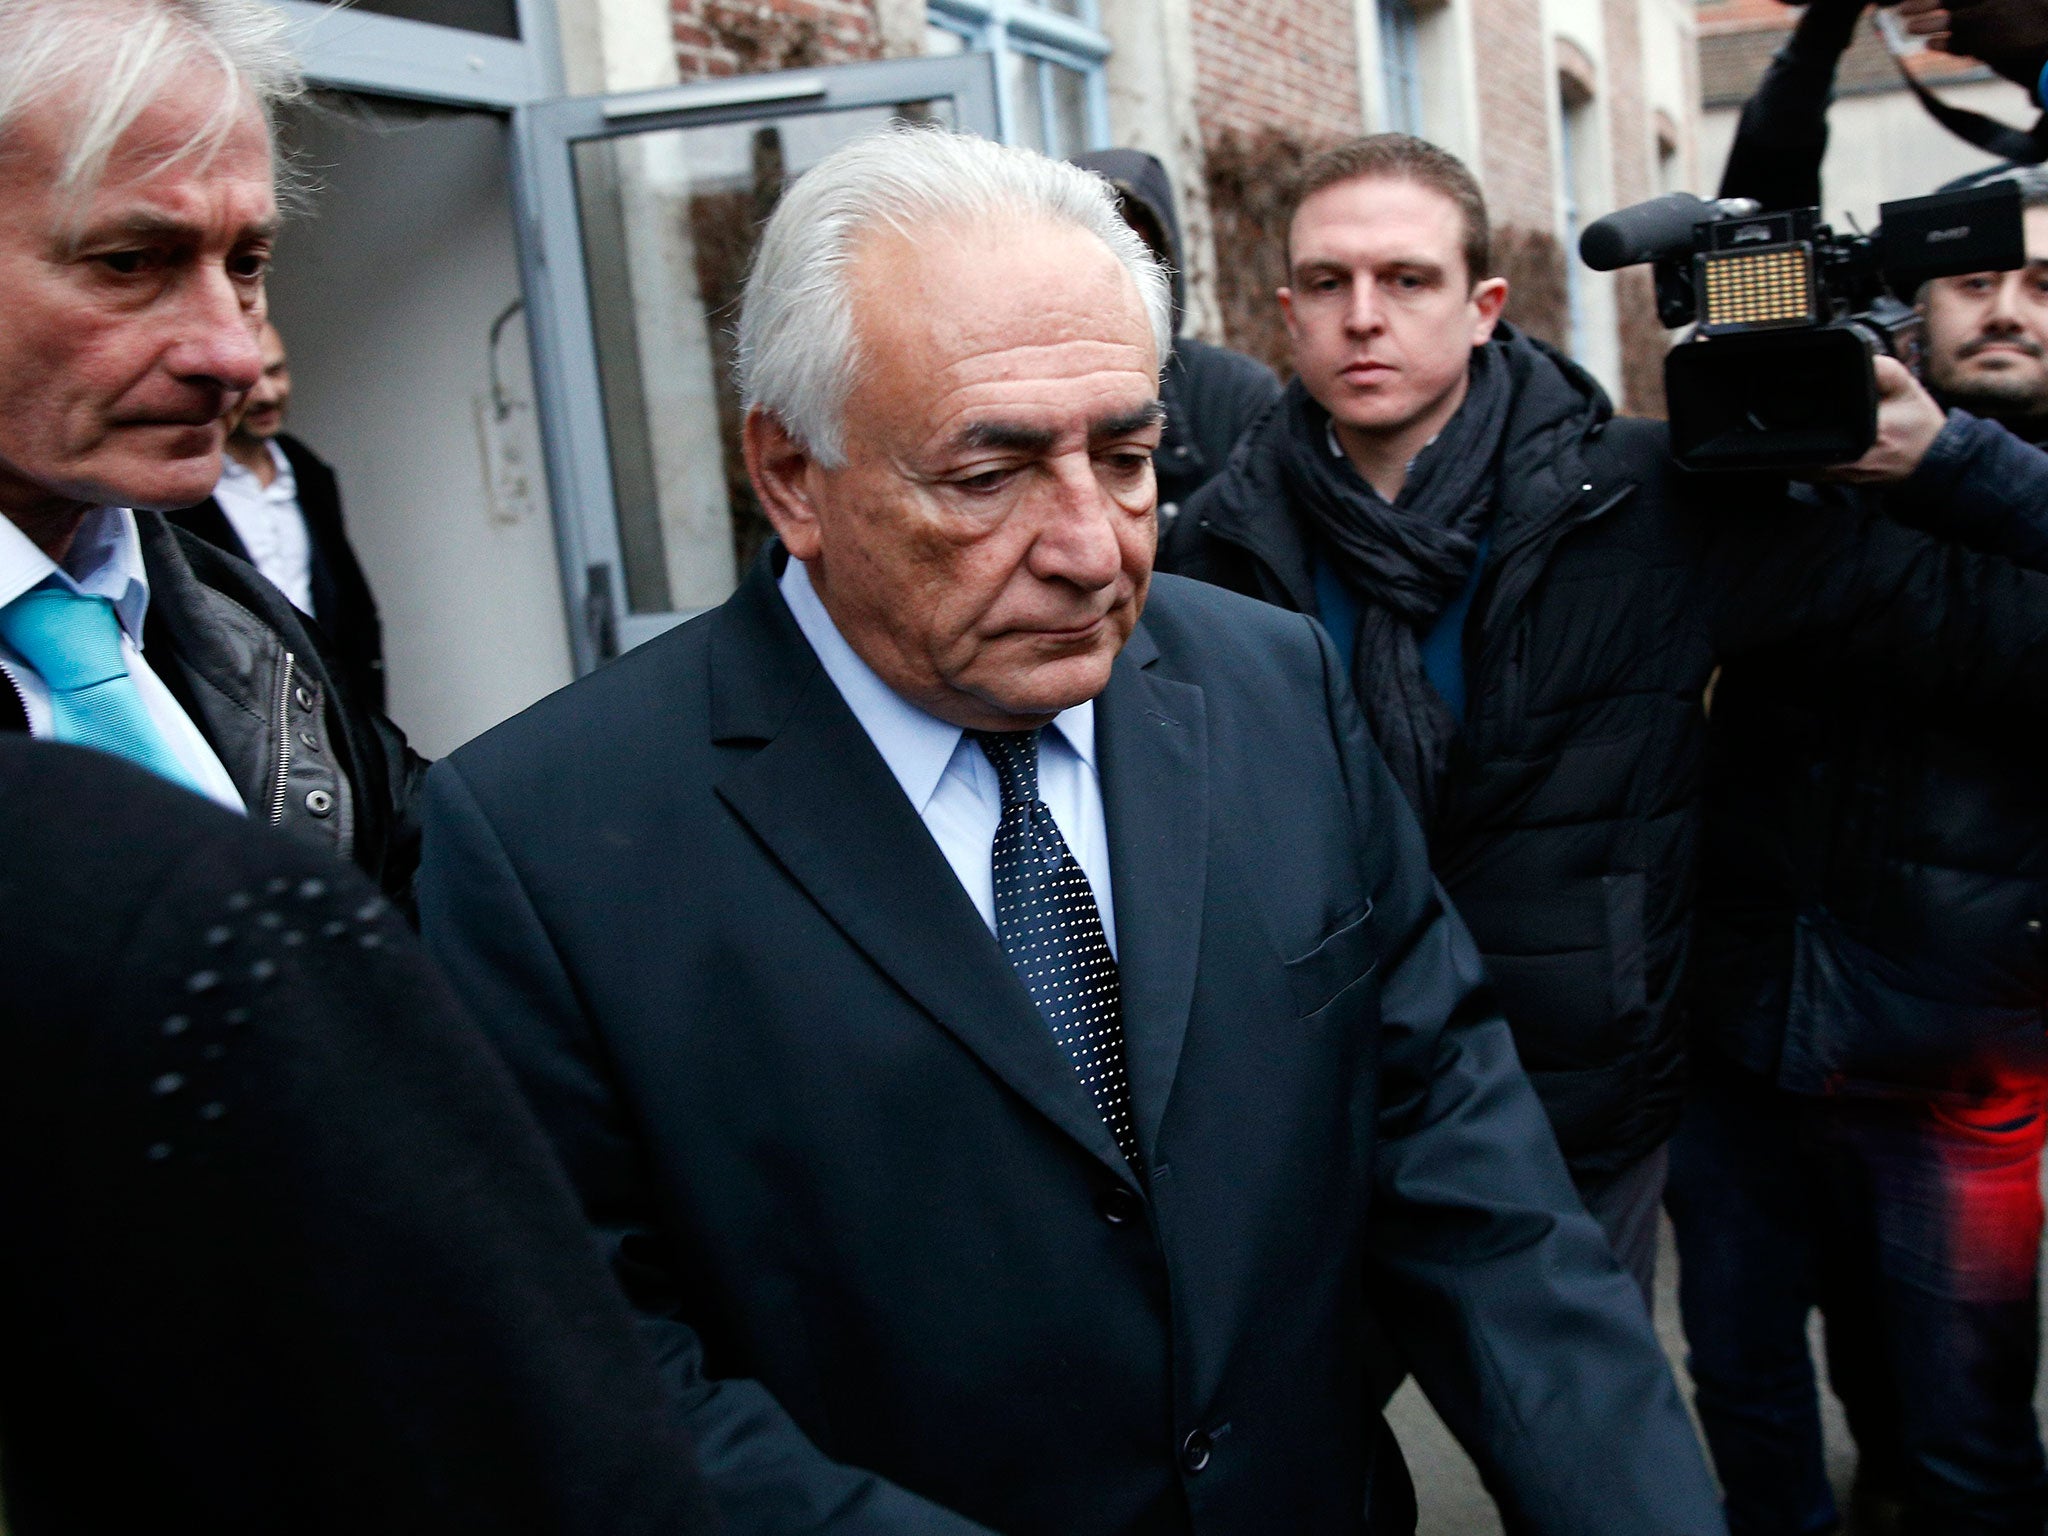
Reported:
(1531, 605)
(1212, 395)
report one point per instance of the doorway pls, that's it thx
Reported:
(398, 294)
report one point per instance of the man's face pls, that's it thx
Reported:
(1381, 312)
(988, 545)
(131, 318)
(262, 414)
(1987, 334)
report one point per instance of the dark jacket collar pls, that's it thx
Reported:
(1556, 407)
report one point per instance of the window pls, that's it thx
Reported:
(1401, 66)
(1051, 90)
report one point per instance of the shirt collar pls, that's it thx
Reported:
(1337, 448)
(283, 485)
(105, 560)
(916, 745)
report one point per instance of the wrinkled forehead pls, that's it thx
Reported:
(933, 295)
(190, 133)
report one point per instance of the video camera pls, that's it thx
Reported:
(1778, 371)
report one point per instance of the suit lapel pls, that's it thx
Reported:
(1153, 737)
(821, 799)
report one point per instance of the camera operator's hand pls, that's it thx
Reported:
(2009, 35)
(1925, 18)
(1908, 421)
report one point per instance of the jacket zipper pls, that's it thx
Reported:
(19, 697)
(284, 737)
(1496, 622)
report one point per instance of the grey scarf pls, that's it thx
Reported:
(1404, 560)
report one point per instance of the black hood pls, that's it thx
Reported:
(1140, 178)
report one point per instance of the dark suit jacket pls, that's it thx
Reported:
(886, 1247)
(342, 601)
(284, 1250)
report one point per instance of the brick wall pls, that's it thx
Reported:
(1632, 140)
(1285, 65)
(1275, 81)
(1514, 168)
(1514, 114)
(741, 37)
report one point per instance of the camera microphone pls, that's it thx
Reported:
(1652, 230)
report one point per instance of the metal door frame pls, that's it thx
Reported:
(358, 50)
(560, 329)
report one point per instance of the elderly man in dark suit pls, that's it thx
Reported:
(994, 1005)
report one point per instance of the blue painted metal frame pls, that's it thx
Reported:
(388, 56)
(1004, 26)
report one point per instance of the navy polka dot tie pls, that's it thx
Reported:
(1051, 930)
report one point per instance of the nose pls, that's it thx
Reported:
(1362, 314)
(2005, 308)
(218, 330)
(1077, 539)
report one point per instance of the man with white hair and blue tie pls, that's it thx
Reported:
(137, 217)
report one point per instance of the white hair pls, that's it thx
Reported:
(112, 59)
(797, 357)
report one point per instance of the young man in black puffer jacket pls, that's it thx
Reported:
(1532, 604)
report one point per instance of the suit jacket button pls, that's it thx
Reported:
(1194, 1451)
(1119, 1206)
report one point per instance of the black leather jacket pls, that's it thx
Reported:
(304, 753)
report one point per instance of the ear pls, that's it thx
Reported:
(1286, 298)
(785, 479)
(1489, 298)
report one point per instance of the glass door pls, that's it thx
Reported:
(640, 214)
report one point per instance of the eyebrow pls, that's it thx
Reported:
(1006, 435)
(143, 225)
(1151, 414)
(1017, 438)
(1315, 267)
(1421, 266)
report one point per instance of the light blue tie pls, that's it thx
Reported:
(74, 644)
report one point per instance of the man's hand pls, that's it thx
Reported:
(1908, 421)
(1926, 18)
(2009, 35)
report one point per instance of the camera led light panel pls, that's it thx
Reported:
(1740, 290)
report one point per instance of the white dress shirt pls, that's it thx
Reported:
(267, 519)
(949, 780)
(105, 560)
